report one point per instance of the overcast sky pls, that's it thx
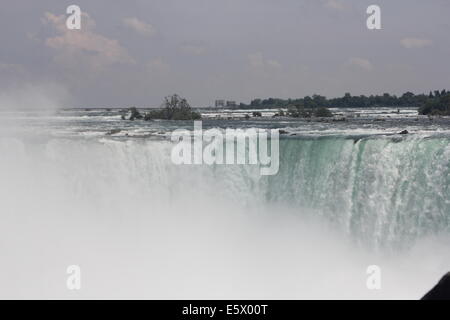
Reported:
(136, 52)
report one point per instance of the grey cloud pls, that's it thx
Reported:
(158, 65)
(334, 4)
(258, 61)
(137, 52)
(193, 49)
(84, 45)
(410, 43)
(360, 63)
(140, 27)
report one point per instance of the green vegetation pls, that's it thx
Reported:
(173, 108)
(305, 107)
(435, 103)
(438, 104)
(322, 112)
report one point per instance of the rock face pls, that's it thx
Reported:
(441, 291)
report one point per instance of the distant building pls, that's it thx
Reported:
(225, 103)
(220, 103)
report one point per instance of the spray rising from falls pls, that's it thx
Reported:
(381, 191)
(122, 210)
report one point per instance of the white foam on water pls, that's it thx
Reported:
(141, 227)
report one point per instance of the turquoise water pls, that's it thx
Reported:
(347, 195)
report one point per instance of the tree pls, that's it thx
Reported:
(437, 106)
(173, 108)
(319, 101)
(255, 103)
(305, 107)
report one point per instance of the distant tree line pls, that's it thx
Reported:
(435, 102)
(439, 104)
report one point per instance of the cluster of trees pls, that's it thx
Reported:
(435, 103)
(408, 99)
(439, 104)
(173, 108)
